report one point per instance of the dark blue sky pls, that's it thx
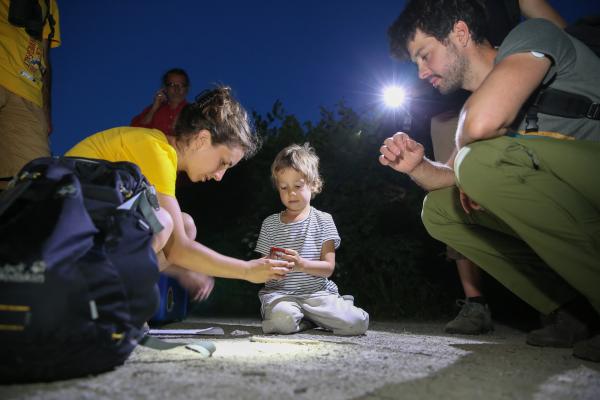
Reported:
(306, 53)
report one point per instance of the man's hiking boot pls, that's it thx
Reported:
(588, 349)
(473, 319)
(562, 329)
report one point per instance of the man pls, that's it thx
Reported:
(519, 198)
(28, 28)
(168, 103)
(475, 316)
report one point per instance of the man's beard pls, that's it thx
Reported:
(455, 71)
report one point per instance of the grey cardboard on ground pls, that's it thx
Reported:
(392, 361)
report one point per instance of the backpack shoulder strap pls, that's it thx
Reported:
(560, 103)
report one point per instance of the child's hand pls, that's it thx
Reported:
(292, 257)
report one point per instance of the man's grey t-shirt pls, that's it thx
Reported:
(575, 68)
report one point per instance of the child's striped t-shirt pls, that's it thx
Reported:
(307, 238)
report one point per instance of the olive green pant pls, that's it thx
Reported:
(539, 231)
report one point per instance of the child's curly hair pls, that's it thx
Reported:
(223, 116)
(304, 160)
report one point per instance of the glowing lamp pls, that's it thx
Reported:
(394, 96)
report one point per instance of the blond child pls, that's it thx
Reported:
(307, 238)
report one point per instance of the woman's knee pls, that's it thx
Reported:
(189, 225)
(161, 238)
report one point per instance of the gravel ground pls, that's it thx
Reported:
(401, 360)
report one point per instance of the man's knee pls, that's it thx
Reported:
(474, 169)
(438, 208)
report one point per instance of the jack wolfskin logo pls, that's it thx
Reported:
(67, 190)
(33, 273)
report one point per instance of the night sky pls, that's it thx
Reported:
(306, 53)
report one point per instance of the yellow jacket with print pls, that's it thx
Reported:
(22, 61)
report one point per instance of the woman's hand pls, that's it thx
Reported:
(198, 285)
(201, 286)
(265, 269)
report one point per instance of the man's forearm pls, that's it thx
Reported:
(431, 175)
(147, 118)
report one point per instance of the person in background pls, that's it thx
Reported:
(28, 29)
(168, 102)
(212, 134)
(306, 238)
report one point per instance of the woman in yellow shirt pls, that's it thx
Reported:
(212, 135)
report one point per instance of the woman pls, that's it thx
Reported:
(211, 135)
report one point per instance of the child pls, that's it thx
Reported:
(307, 238)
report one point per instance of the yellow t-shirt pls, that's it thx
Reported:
(22, 64)
(148, 148)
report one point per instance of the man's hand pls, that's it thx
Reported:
(265, 269)
(159, 98)
(468, 204)
(401, 153)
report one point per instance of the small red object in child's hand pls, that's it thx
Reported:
(275, 250)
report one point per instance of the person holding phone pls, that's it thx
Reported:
(168, 102)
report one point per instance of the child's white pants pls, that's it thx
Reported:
(285, 313)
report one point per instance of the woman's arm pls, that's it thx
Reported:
(185, 252)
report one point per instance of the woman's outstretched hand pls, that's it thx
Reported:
(265, 269)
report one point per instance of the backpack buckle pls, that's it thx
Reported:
(593, 111)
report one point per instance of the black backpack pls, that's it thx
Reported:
(77, 271)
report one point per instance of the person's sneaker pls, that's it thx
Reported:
(562, 330)
(588, 349)
(473, 319)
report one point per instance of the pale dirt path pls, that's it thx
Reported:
(411, 360)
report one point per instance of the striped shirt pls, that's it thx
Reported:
(307, 238)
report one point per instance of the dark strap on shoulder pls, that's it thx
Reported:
(560, 103)
(567, 104)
